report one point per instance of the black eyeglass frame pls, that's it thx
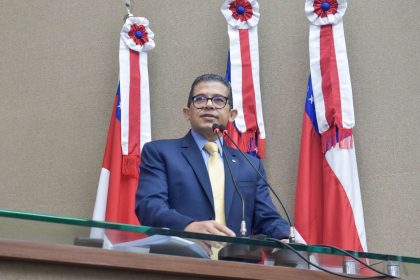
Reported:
(194, 98)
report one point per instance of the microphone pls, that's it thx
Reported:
(292, 229)
(217, 129)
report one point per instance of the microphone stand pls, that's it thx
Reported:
(292, 229)
(237, 252)
(216, 130)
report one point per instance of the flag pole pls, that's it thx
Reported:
(128, 7)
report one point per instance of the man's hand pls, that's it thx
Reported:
(210, 227)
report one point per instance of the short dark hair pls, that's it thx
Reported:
(211, 78)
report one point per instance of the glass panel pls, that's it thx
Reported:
(66, 230)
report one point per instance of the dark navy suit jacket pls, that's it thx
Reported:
(174, 190)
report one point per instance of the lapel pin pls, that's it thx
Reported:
(234, 160)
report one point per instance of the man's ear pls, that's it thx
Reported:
(232, 114)
(186, 112)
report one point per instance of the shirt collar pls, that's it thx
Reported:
(200, 140)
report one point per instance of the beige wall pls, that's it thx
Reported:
(59, 70)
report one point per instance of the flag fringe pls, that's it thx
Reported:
(261, 149)
(334, 135)
(247, 141)
(130, 165)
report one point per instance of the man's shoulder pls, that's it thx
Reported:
(164, 144)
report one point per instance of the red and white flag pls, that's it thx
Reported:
(129, 130)
(328, 200)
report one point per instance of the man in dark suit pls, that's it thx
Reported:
(179, 187)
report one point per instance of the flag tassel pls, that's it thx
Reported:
(334, 135)
(261, 148)
(130, 165)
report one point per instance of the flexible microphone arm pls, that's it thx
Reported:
(216, 131)
(292, 229)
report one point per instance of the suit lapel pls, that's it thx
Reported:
(195, 159)
(229, 185)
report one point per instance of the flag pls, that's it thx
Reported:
(129, 130)
(328, 206)
(115, 198)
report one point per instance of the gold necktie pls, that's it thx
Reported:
(217, 180)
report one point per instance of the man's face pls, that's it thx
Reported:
(202, 120)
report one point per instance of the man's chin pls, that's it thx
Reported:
(208, 125)
(206, 130)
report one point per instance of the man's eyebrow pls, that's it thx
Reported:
(214, 94)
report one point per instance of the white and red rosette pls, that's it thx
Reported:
(241, 14)
(242, 17)
(330, 73)
(135, 41)
(323, 12)
(137, 35)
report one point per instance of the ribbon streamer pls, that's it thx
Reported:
(242, 17)
(135, 41)
(332, 91)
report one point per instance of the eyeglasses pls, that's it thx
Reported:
(218, 101)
